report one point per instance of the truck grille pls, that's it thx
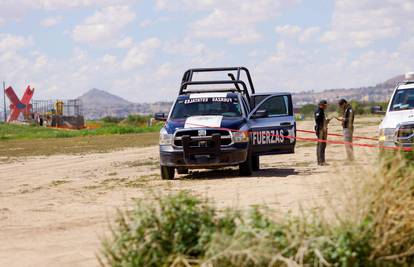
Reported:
(406, 133)
(200, 140)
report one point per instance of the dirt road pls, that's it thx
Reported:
(53, 210)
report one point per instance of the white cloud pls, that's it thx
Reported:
(109, 59)
(220, 24)
(51, 21)
(59, 4)
(104, 25)
(193, 53)
(289, 30)
(292, 67)
(237, 21)
(164, 70)
(309, 33)
(126, 42)
(9, 42)
(358, 24)
(40, 62)
(233, 20)
(141, 53)
(187, 4)
(146, 23)
(296, 32)
(15, 10)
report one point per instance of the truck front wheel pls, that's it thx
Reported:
(256, 163)
(181, 170)
(167, 173)
(246, 168)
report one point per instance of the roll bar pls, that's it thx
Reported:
(236, 83)
(188, 76)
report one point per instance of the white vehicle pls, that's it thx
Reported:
(397, 127)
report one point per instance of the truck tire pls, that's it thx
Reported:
(246, 168)
(182, 170)
(256, 163)
(167, 173)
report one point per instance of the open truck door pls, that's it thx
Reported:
(272, 125)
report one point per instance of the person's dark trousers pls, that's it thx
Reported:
(321, 146)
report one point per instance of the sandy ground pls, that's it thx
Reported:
(54, 210)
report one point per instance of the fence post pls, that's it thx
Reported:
(4, 101)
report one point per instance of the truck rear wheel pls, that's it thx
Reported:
(167, 173)
(256, 163)
(246, 168)
(182, 170)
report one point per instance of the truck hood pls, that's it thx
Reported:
(233, 123)
(393, 118)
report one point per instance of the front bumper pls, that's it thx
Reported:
(394, 144)
(201, 158)
(402, 136)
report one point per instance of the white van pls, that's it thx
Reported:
(397, 127)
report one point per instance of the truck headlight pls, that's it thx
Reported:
(387, 135)
(241, 137)
(165, 137)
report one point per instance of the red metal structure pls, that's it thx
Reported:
(17, 106)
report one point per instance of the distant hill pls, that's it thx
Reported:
(97, 98)
(378, 93)
(99, 103)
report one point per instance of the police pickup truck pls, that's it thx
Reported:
(397, 127)
(215, 127)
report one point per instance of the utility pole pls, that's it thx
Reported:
(4, 101)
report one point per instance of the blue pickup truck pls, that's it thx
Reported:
(210, 127)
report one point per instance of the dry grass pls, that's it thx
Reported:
(376, 228)
(390, 198)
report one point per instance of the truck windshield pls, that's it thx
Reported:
(222, 106)
(403, 99)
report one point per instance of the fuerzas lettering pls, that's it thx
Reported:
(267, 137)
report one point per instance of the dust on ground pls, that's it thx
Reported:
(55, 209)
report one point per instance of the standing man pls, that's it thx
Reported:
(321, 129)
(347, 126)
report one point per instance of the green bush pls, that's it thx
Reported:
(13, 131)
(154, 235)
(111, 119)
(183, 230)
(184, 227)
(360, 108)
(308, 110)
(140, 120)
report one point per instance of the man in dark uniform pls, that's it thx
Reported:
(347, 126)
(321, 129)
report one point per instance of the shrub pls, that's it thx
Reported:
(390, 198)
(308, 110)
(112, 119)
(153, 235)
(139, 120)
(184, 230)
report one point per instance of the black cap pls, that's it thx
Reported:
(342, 101)
(323, 102)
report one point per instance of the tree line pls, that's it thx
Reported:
(360, 108)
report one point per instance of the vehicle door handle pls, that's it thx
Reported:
(285, 124)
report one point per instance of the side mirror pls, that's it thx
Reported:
(261, 113)
(160, 116)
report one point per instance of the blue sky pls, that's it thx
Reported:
(139, 49)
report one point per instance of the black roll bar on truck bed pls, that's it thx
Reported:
(188, 75)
